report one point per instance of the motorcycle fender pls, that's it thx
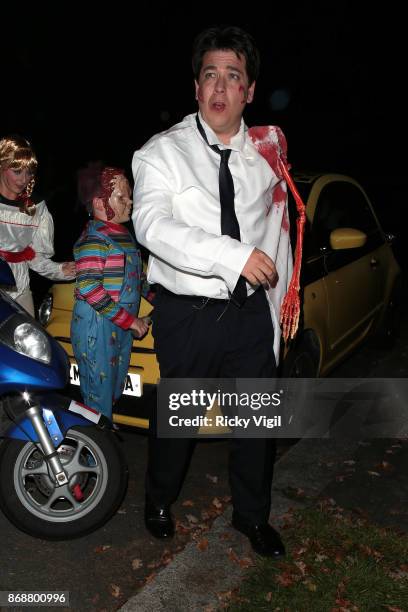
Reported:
(60, 414)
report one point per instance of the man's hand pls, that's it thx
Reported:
(140, 326)
(260, 270)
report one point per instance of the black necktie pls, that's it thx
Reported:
(229, 221)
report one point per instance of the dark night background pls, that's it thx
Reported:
(84, 82)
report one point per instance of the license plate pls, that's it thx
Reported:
(133, 384)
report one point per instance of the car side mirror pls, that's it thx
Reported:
(347, 238)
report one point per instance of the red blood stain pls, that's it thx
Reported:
(285, 221)
(279, 194)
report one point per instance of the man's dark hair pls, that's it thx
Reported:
(220, 38)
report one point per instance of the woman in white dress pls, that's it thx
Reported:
(26, 226)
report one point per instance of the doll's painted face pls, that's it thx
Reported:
(120, 200)
(13, 182)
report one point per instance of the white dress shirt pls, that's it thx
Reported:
(176, 214)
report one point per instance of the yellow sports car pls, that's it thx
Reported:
(351, 282)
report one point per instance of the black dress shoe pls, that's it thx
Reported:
(265, 541)
(159, 521)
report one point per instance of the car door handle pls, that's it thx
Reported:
(374, 263)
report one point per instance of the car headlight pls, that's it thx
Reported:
(45, 309)
(25, 338)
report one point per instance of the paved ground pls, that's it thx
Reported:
(120, 565)
(369, 476)
(343, 470)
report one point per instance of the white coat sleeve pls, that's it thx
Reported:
(43, 245)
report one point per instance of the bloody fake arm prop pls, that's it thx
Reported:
(271, 144)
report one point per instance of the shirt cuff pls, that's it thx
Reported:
(124, 319)
(232, 262)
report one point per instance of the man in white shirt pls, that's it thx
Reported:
(221, 273)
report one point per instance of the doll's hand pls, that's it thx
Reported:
(140, 327)
(68, 268)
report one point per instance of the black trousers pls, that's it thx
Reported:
(196, 338)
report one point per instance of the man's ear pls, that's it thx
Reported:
(251, 90)
(98, 208)
(196, 86)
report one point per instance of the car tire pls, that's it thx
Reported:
(302, 360)
(389, 324)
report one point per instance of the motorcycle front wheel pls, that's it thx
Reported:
(97, 479)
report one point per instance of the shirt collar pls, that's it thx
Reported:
(237, 142)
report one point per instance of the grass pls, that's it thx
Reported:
(336, 562)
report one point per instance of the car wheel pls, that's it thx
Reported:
(302, 360)
(389, 324)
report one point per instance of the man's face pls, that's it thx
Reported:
(13, 182)
(120, 200)
(223, 91)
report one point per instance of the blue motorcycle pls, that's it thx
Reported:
(62, 472)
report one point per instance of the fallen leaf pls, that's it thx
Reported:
(285, 579)
(150, 577)
(298, 552)
(246, 562)
(385, 465)
(182, 529)
(338, 557)
(167, 557)
(233, 556)
(349, 462)
(103, 548)
(213, 479)
(188, 503)
(137, 564)
(202, 544)
(319, 557)
(344, 603)
(225, 536)
(372, 473)
(114, 590)
(398, 574)
(191, 518)
(301, 566)
(310, 585)
(268, 596)
(216, 502)
(371, 552)
(153, 565)
(223, 596)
